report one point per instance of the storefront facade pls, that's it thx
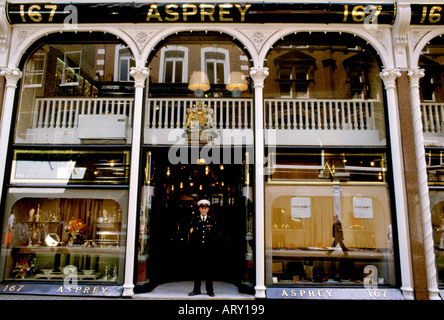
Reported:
(314, 129)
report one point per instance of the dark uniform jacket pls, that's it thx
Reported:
(204, 233)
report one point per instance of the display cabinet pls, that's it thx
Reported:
(55, 239)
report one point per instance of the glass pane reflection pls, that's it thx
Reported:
(64, 167)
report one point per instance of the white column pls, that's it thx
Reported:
(389, 77)
(12, 76)
(429, 247)
(258, 74)
(139, 74)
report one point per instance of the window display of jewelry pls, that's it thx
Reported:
(59, 233)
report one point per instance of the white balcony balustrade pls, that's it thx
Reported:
(324, 122)
(56, 120)
(433, 123)
(286, 121)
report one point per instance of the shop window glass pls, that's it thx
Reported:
(435, 171)
(55, 233)
(323, 89)
(328, 219)
(76, 93)
(70, 167)
(431, 92)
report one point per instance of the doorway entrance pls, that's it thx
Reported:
(175, 190)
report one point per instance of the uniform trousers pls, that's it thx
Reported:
(203, 269)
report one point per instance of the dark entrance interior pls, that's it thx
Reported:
(177, 190)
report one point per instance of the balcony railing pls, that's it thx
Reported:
(317, 114)
(283, 115)
(167, 113)
(64, 112)
(432, 117)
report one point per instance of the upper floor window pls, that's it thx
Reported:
(125, 61)
(173, 68)
(71, 68)
(294, 74)
(35, 70)
(216, 64)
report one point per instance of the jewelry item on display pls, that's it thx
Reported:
(52, 240)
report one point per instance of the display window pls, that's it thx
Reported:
(52, 234)
(328, 212)
(329, 229)
(70, 167)
(76, 91)
(323, 89)
(435, 170)
(431, 93)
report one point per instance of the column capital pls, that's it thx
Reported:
(389, 77)
(258, 74)
(12, 76)
(139, 74)
(414, 75)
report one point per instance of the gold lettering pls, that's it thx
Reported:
(60, 289)
(204, 12)
(169, 10)
(328, 292)
(293, 293)
(22, 12)
(434, 17)
(53, 8)
(345, 13)
(77, 289)
(95, 289)
(320, 293)
(153, 12)
(243, 11)
(86, 290)
(35, 15)
(358, 16)
(311, 293)
(284, 293)
(301, 293)
(104, 289)
(424, 14)
(186, 12)
(222, 12)
(68, 289)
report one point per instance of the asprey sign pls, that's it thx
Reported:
(256, 12)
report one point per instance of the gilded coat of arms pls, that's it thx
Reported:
(200, 123)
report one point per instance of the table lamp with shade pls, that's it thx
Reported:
(199, 83)
(237, 83)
